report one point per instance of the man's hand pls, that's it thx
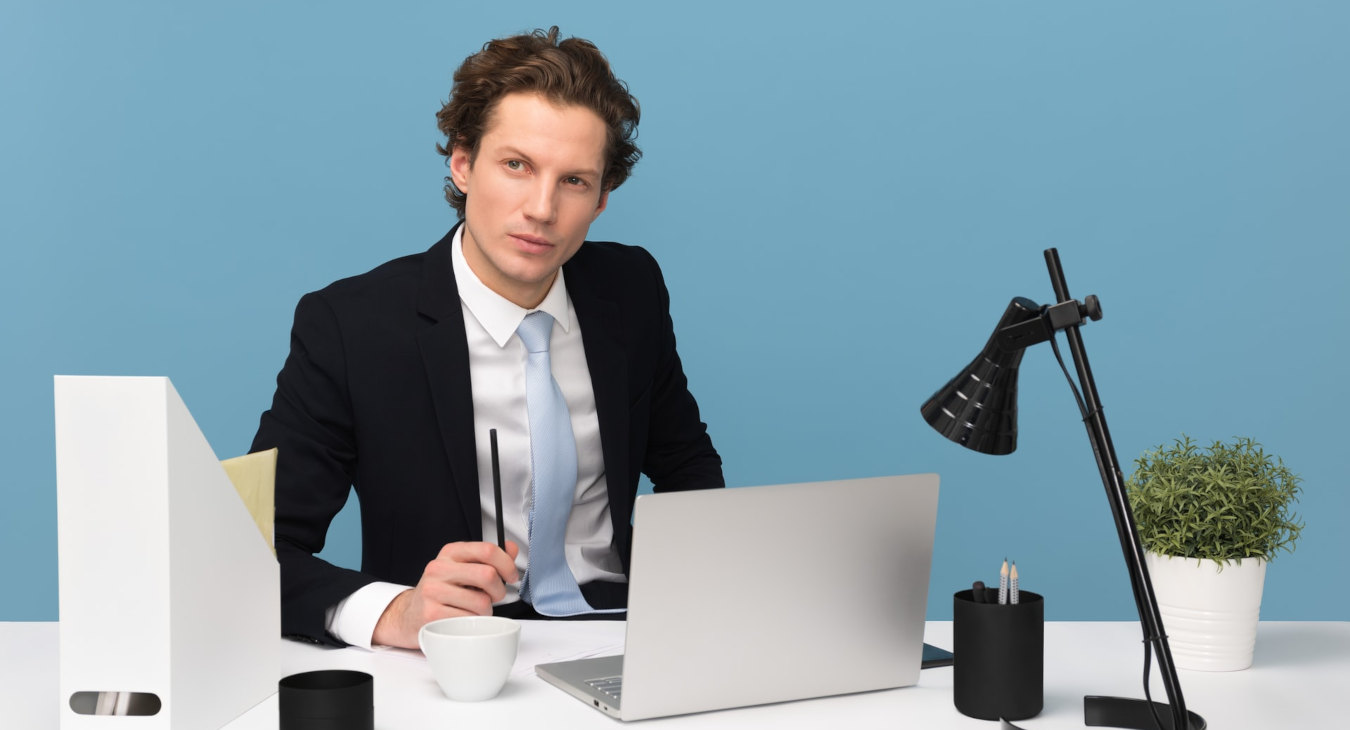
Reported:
(464, 580)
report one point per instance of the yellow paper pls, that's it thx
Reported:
(254, 476)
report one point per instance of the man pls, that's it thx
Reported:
(396, 377)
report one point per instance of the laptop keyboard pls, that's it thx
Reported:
(611, 686)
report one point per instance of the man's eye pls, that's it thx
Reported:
(574, 181)
(515, 165)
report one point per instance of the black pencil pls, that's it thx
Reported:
(497, 489)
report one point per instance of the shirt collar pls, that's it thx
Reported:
(499, 315)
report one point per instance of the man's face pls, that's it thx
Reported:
(533, 192)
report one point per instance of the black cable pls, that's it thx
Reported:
(1148, 696)
(1082, 407)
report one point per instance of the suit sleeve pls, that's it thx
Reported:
(680, 454)
(310, 423)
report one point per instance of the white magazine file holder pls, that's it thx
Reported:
(168, 590)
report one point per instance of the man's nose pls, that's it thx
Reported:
(542, 204)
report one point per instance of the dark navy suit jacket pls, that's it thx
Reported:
(375, 395)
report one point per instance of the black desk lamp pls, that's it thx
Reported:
(978, 409)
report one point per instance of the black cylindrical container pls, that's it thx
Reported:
(999, 670)
(330, 699)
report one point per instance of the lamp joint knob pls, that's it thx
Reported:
(1092, 307)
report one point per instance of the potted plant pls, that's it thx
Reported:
(1210, 519)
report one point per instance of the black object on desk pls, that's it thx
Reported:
(934, 657)
(1000, 657)
(330, 699)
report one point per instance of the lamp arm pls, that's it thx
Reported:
(1114, 711)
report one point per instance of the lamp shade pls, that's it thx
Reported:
(978, 407)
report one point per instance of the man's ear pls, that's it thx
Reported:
(461, 166)
(600, 207)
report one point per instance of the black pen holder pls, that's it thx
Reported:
(999, 669)
(327, 699)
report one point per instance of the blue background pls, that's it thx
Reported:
(844, 197)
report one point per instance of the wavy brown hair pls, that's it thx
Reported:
(568, 72)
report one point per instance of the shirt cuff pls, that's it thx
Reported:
(354, 618)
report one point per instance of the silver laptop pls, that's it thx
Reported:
(753, 595)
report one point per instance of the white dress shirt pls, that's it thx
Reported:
(497, 374)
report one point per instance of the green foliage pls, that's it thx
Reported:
(1225, 502)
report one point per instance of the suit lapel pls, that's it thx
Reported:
(601, 335)
(445, 354)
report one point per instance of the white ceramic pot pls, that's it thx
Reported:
(1209, 614)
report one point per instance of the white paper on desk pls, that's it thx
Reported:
(542, 642)
(409, 654)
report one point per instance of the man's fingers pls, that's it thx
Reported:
(441, 579)
(484, 553)
(463, 600)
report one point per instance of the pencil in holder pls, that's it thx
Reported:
(1000, 657)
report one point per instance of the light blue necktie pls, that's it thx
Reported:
(549, 584)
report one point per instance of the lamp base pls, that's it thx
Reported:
(1130, 713)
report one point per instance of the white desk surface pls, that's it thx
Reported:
(1301, 669)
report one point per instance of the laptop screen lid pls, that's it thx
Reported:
(764, 594)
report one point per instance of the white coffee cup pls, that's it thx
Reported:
(470, 656)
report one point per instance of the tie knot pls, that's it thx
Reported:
(535, 331)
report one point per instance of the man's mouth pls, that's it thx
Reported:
(531, 243)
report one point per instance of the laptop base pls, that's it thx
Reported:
(578, 677)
